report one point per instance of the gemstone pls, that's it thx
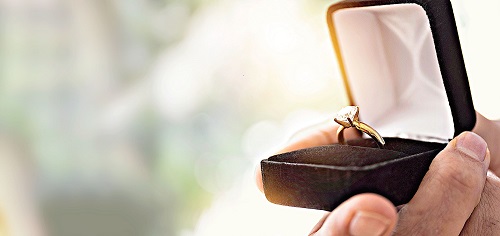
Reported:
(346, 115)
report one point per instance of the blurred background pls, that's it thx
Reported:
(147, 117)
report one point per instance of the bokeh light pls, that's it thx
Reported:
(148, 117)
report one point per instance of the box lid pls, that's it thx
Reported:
(402, 64)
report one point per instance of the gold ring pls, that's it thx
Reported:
(348, 117)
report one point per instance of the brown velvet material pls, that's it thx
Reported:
(323, 177)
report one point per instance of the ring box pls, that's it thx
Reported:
(402, 64)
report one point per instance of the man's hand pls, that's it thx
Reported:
(446, 198)
(456, 195)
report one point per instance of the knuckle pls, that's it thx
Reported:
(485, 220)
(491, 192)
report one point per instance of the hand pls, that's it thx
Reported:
(456, 195)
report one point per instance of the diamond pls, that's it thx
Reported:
(346, 115)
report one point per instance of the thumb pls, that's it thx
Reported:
(363, 214)
(450, 190)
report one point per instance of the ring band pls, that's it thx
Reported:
(349, 117)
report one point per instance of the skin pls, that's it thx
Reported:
(459, 195)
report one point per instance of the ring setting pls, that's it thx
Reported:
(348, 117)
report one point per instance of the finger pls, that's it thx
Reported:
(450, 190)
(484, 220)
(320, 223)
(324, 135)
(364, 214)
(490, 132)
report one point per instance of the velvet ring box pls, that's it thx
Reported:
(402, 64)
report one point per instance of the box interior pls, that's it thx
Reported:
(391, 66)
(359, 153)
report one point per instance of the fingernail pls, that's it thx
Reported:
(368, 223)
(472, 145)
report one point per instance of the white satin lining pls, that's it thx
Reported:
(391, 64)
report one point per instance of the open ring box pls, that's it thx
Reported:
(403, 66)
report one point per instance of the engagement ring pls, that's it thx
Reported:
(348, 117)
